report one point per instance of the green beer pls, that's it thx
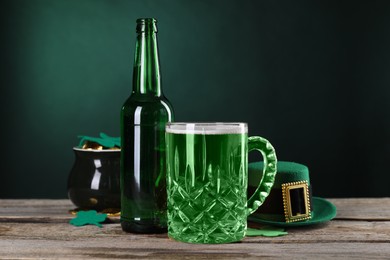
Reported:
(207, 181)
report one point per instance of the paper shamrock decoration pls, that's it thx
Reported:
(266, 231)
(90, 217)
(103, 140)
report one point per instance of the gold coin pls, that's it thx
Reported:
(111, 212)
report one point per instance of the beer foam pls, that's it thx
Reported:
(207, 128)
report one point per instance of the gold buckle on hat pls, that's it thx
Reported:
(289, 214)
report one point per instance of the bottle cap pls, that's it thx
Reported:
(146, 24)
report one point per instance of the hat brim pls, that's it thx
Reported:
(323, 211)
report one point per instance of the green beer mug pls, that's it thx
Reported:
(207, 179)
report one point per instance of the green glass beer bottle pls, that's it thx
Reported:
(143, 119)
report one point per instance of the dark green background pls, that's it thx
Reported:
(313, 77)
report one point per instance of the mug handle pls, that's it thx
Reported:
(267, 180)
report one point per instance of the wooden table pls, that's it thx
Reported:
(31, 229)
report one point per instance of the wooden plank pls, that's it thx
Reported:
(347, 231)
(350, 208)
(31, 229)
(33, 207)
(352, 239)
(35, 203)
(32, 210)
(377, 209)
(97, 249)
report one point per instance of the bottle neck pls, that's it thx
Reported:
(146, 74)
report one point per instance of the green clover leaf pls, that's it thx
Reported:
(104, 140)
(90, 217)
(266, 231)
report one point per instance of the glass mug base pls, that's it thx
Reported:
(208, 233)
(199, 239)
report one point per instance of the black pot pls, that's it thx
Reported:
(94, 181)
